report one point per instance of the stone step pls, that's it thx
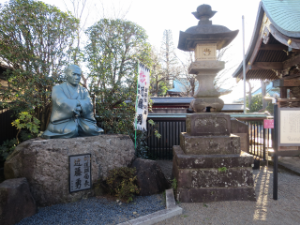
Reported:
(197, 171)
(186, 161)
(215, 194)
(208, 145)
(204, 178)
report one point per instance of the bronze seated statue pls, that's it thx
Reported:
(72, 109)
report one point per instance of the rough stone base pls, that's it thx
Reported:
(150, 178)
(16, 201)
(204, 178)
(45, 164)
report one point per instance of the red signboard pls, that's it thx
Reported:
(269, 124)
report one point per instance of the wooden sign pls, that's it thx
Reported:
(289, 127)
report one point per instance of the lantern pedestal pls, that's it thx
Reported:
(209, 164)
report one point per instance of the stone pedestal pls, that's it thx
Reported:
(45, 164)
(211, 167)
(206, 94)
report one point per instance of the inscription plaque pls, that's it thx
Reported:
(80, 172)
(203, 124)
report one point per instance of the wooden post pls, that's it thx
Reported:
(283, 92)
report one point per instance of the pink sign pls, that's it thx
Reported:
(268, 124)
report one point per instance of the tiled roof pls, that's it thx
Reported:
(187, 100)
(171, 100)
(284, 15)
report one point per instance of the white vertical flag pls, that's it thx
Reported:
(142, 98)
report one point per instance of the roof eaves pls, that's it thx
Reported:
(254, 37)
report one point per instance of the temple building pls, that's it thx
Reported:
(182, 88)
(274, 50)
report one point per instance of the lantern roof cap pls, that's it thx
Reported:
(205, 31)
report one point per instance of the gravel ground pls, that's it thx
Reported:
(265, 211)
(96, 210)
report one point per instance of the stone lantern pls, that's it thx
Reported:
(205, 39)
(209, 164)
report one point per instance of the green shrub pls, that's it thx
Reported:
(26, 135)
(29, 122)
(27, 126)
(122, 183)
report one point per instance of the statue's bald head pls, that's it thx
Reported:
(73, 74)
(72, 68)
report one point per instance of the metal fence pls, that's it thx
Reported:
(170, 129)
(260, 140)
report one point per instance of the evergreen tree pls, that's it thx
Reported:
(35, 44)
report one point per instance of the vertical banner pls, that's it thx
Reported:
(142, 98)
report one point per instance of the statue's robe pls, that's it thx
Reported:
(63, 123)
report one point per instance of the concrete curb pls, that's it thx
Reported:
(286, 167)
(289, 167)
(171, 210)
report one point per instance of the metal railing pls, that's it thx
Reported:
(171, 125)
(162, 148)
(260, 139)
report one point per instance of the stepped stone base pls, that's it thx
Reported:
(204, 178)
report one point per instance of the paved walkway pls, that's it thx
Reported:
(265, 211)
(290, 163)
